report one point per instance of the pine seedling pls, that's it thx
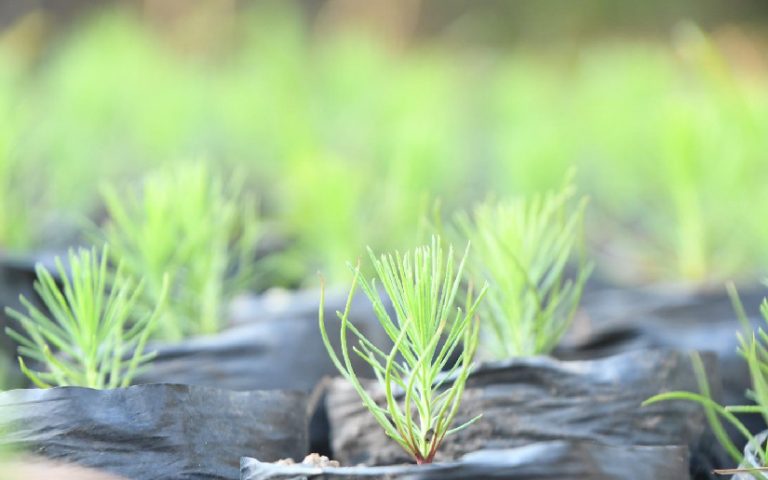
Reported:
(89, 326)
(422, 288)
(522, 247)
(753, 348)
(200, 230)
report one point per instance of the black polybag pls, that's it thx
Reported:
(530, 400)
(622, 320)
(274, 342)
(556, 460)
(270, 345)
(160, 431)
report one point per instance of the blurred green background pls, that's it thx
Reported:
(351, 119)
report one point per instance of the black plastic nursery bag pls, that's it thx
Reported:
(156, 432)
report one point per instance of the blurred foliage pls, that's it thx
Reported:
(16, 197)
(195, 228)
(347, 136)
(522, 246)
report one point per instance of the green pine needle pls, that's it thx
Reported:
(193, 226)
(90, 326)
(425, 332)
(522, 248)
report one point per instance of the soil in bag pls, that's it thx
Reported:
(557, 460)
